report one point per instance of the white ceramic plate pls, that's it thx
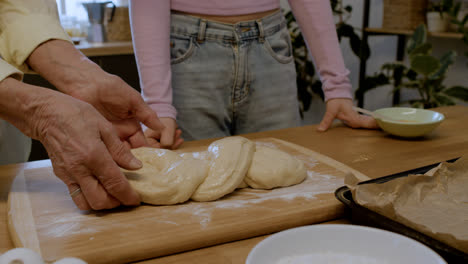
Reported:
(340, 244)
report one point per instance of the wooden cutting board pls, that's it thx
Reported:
(43, 217)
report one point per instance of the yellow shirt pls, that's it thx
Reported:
(24, 25)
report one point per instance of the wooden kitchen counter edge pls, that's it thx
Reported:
(371, 152)
(106, 48)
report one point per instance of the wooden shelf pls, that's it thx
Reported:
(385, 31)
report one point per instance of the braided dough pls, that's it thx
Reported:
(273, 168)
(229, 163)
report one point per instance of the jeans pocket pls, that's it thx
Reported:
(181, 48)
(279, 46)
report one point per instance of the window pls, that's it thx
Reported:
(72, 8)
(73, 18)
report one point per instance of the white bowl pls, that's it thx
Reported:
(408, 122)
(340, 244)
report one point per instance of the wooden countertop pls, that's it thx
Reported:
(105, 48)
(372, 152)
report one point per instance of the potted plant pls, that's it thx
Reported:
(426, 74)
(437, 15)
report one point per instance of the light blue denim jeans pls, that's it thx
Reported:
(230, 79)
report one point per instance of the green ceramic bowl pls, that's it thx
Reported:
(408, 122)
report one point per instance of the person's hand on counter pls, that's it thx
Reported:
(169, 137)
(71, 72)
(83, 146)
(343, 109)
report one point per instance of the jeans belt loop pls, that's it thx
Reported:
(261, 33)
(201, 31)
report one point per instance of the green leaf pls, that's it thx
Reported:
(390, 66)
(334, 4)
(445, 61)
(290, 18)
(398, 74)
(317, 89)
(417, 103)
(348, 8)
(355, 43)
(437, 85)
(344, 30)
(303, 95)
(443, 100)
(372, 82)
(455, 9)
(419, 37)
(396, 88)
(309, 68)
(411, 84)
(423, 49)
(458, 92)
(465, 20)
(425, 64)
(411, 75)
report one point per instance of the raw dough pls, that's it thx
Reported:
(230, 163)
(273, 168)
(201, 155)
(230, 158)
(166, 177)
(242, 185)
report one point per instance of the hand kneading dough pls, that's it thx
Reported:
(230, 159)
(166, 178)
(273, 168)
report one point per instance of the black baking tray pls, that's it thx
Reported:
(363, 216)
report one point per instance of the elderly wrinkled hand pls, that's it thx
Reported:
(83, 146)
(74, 74)
(85, 153)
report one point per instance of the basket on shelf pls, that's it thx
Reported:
(118, 27)
(404, 14)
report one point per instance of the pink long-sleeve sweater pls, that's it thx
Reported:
(150, 22)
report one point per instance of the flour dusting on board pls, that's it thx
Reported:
(316, 183)
(321, 179)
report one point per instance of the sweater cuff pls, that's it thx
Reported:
(338, 92)
(19, 39)
(164, 110)
(336, 84)
(6, 70)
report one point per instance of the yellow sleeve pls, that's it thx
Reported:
(24, 25)
(6, 70)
